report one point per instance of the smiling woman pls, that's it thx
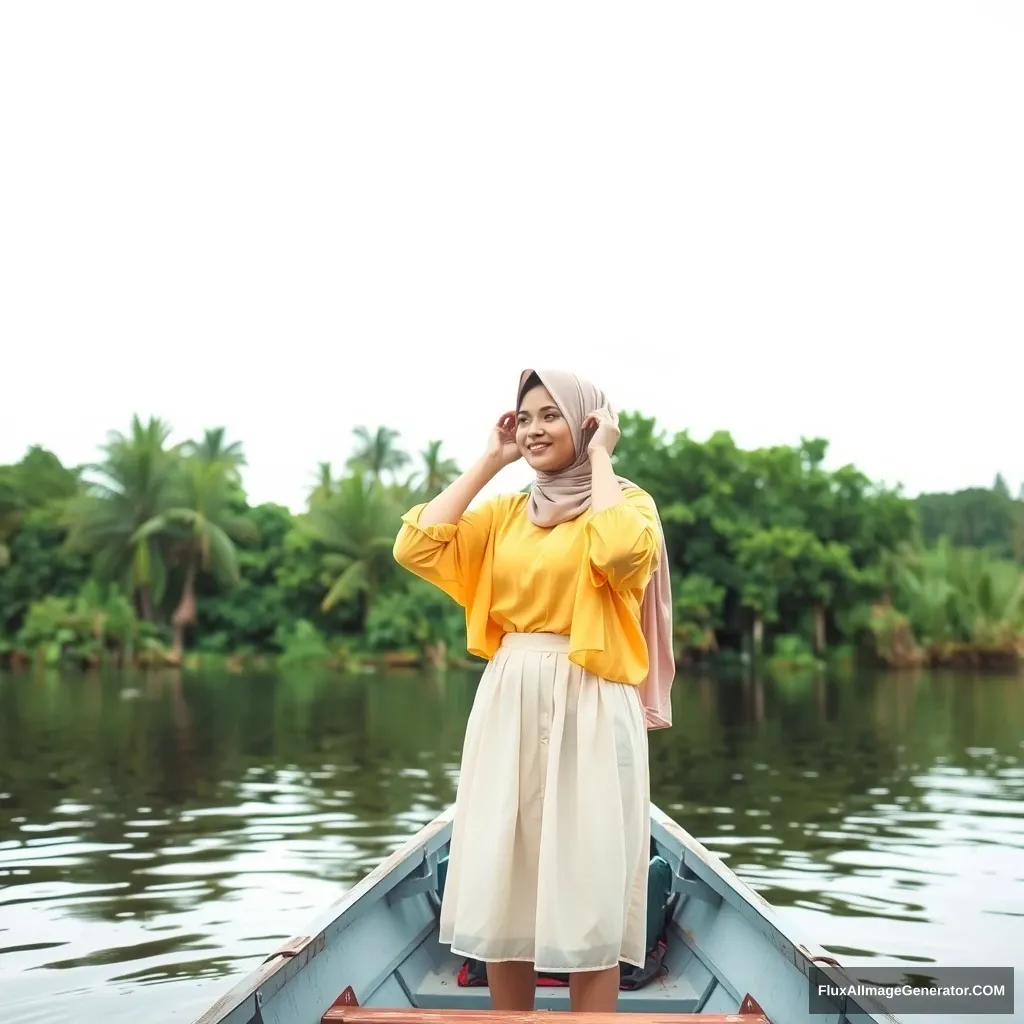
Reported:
(566, 594)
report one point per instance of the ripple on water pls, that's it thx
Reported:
(71, 854)
(54, 826)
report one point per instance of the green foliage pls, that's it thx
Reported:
(697, 604)
(301, 642)
(39, 565)
(767, 547)
(95, 625)
(355, 527)
(34, 489)
(133, 484)
(414, 618)
(792, 654)
(771, 529)
(277, 587)
(976, 517)
(954, 596)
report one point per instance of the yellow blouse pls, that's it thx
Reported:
(584, 578)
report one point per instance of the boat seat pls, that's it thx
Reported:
(387, 1015)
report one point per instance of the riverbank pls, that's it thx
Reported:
(790, 657)
(154, 556)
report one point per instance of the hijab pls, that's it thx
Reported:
(559, 497)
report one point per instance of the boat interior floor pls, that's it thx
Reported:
(674, 992)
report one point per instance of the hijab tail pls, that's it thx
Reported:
(656, 623)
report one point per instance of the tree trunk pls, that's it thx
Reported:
(370, 593)
(436, 654)
(758, 633)
(145, 602)
(184, 614)
(819, 627)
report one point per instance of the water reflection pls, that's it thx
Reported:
(171, 829)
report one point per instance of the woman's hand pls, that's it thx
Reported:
(501, 446)
(604, 423)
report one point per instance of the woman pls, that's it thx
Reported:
(566, 594)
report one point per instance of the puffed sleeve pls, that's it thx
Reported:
(624, 543)
(448, 555)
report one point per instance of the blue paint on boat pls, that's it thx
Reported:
(380, 940)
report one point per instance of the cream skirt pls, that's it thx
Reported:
(551, 832)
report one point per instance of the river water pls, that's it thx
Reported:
(161, 833)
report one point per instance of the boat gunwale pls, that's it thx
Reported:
(277, 970)
(804, 955)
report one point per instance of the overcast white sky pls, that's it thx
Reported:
(777, 219)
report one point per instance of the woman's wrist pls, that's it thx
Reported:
(486, 468)
(605, 490)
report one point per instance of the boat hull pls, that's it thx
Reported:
(727, 950)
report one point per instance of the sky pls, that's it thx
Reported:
(780, 220)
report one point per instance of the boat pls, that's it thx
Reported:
(719, 953)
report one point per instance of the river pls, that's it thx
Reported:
(160, 834)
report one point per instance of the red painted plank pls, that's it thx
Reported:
(340, 1014)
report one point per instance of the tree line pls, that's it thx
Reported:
(153, 554)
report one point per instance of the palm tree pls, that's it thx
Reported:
(199, 530)
(377, 453)
(212, 448)
(962, 595)
(325, 486)
(436, 473)
(357, 525)
(135, 485)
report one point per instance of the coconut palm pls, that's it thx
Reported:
(357, 526)
(436, 472)
(133, 485)
(199, 530)
(325, 486)
(377, 453)
(213, 448)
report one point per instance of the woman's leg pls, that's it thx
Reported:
(594, 991)
(513, 985)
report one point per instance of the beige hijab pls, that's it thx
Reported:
(558, 497)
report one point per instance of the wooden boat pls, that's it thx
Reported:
(373, 957)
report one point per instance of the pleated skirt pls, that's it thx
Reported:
(551, 832)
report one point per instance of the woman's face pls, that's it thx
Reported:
(543, 433)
